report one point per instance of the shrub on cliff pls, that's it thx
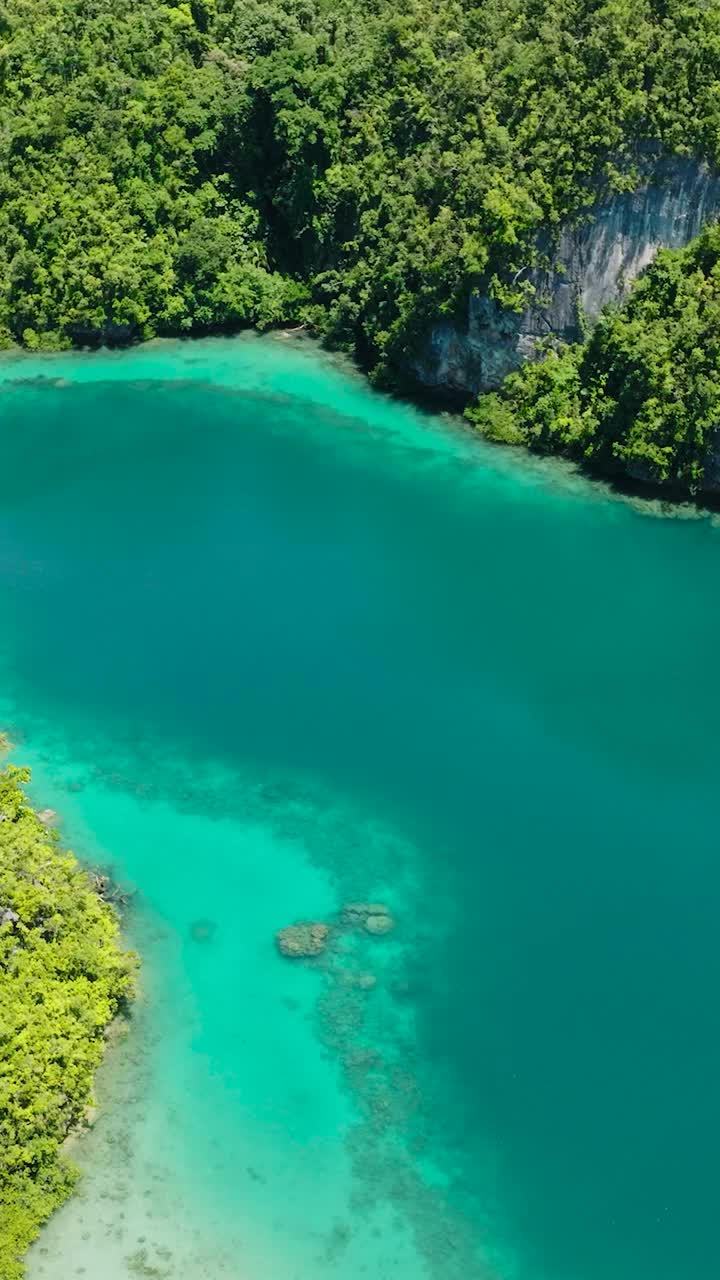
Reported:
(63, 977)
(642, 394)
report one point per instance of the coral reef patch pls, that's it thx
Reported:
(373, 917)
(303, 940)
(379, 923)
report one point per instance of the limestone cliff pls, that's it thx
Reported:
(593, 261)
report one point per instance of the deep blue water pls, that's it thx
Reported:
(235, 578)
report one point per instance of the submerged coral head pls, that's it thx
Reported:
(202, 930)
(308, 938)
(374, 917)
(356, 913)
(379, 924)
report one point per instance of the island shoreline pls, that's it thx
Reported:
(67, 980)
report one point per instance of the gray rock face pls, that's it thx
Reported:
(595, 260)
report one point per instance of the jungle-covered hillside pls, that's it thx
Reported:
(359, 164)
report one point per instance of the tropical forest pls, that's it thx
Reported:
(359, 491)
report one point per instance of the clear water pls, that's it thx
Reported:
(271, 642)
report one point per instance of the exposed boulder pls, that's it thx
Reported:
(8, 916)
(48, 817)
(297, 941)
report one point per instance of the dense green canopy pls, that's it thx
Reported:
(361, 164)
(63, 977)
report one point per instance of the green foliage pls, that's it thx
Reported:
(642, 394)
(494, 417)
(360, 164)
(63, 977)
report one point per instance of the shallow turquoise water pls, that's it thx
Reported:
(271, 642)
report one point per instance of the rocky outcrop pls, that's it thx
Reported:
(593, 262)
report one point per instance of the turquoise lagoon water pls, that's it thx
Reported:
(272, 642)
